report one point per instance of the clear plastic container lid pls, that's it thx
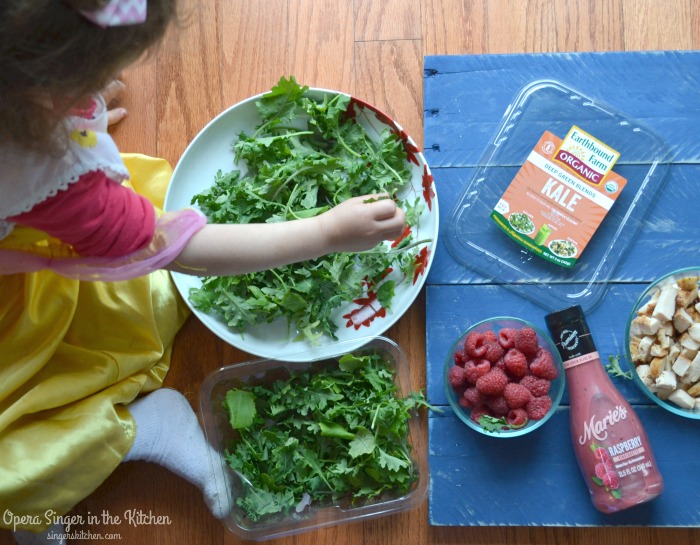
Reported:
(474, 238)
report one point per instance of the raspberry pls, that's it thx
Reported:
(516, 418)
(494, 351)
(474, 345)
(516, 363)
(460, 357)
(457, 378)
(492, 383)
(611, 481)
(526, 341)
(478, 412)
(498, 405)
(600, 470)
(601, 454)
(501, 364)
(538, 407)
(471, 398)
(476, 368)
(543, 365)
(506, 337)
(537, 386)
(516, 395)
(490, 336)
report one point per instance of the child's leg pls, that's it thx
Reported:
(168, 434)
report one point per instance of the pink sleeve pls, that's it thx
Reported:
(97, 216)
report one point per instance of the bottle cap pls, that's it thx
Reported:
(570, 332)
(564, 317)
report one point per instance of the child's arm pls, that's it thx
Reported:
(352, 226)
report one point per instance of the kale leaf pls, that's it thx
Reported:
(340, 433)
(306, 155)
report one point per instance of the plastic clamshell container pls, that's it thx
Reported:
(646, 295)
(264, 371)
(475, 240)
(556, 390)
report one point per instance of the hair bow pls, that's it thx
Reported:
(118, 13)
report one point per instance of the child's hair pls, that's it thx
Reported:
(51, 56)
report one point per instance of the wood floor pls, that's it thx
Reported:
(226, 50)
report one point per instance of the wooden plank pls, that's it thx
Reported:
(387, 20)
(460, 95)
(137, 132)
(466, 96)
(454, 27)
(534, 480)
(321, 43)
(254, 47)
(189, 80)
(389, 77)
(668, 225)
(680, 24)
(450, 310)
(462, 26)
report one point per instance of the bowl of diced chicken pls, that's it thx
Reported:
(663, 347)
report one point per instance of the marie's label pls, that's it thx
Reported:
(615, 463)
(597, 427)
(560, 196)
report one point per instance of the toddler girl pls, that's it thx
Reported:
(88, 312)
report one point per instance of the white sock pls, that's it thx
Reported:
(168, 434)
(52, 536)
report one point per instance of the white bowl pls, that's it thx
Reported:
(210, 151)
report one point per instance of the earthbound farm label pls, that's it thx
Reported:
(560, 196)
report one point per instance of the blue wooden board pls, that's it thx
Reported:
(534, 480)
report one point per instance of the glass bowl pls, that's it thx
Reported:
(556, 388)
(643, 307)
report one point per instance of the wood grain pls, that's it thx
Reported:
(226, 50)
(387, 20)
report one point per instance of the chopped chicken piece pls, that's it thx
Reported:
(685, 297)
(688, 283)
(682, 399)
(665, 383)
(693, 372)
(643, 374)
(656, 366)
(646, 325)
(681, 365)
(647, 308)
(687, 353)
(666, 305)
(665, 342)
(658, 351)
(645, 345)
(694, 332)
(682, 320)
(694, 391)
(673, 353)
(688, 342)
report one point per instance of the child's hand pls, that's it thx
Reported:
(112, 95)
(361, 223)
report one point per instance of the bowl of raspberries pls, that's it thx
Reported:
(504, 377)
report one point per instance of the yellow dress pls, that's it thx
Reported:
(73, 355)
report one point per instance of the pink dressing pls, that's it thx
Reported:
(611, 446)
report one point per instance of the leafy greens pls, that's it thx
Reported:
(306, 155)
(340, 432)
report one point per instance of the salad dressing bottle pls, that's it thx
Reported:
(611, 446)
